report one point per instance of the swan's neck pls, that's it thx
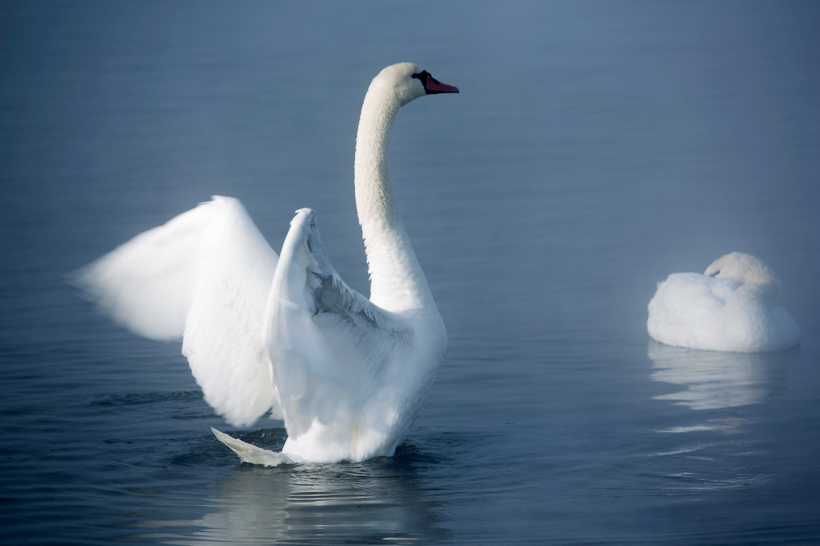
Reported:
(396, 280)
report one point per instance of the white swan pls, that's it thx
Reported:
(734, 306)
(285, 334)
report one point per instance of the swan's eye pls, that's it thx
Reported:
(422, 76)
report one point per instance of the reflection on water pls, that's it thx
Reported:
(611, 144)
(724, 451)
(376, 501)
(719, 380)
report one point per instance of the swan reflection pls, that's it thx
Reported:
(352, 503)
(719, 380)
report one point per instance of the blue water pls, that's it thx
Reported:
(595, 147)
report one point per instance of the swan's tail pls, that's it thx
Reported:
(252, 454)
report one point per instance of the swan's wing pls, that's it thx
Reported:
(329, 345)
(204, 275)
(684, 297)
(147, 284)
(686, 309)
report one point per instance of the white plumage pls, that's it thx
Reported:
(285, 334)
(734, 306)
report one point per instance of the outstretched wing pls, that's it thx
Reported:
(329, 346)
(203, 276)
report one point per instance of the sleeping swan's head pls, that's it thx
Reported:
(408, 82)
(741, 268)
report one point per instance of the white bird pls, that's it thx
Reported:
(285, 334)
(734, 307)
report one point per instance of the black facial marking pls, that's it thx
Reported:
(422, 77)
(432, 86)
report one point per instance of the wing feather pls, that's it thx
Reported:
(328, 344)
(204, 276)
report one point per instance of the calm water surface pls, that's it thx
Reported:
(594, 149)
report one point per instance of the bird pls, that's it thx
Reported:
(733, 307)
(283, 334)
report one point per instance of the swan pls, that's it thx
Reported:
(734, 307)
(284, 334)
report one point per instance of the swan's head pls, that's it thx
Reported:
(408, 82)
(741, 268)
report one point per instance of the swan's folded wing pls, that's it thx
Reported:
(204, 275)
(330, 347)
(691, 297)
(686, 309)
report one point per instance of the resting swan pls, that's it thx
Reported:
(734, 307)
(284, 334)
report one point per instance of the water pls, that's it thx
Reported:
(595, 148)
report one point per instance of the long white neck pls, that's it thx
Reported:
(397, 282)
